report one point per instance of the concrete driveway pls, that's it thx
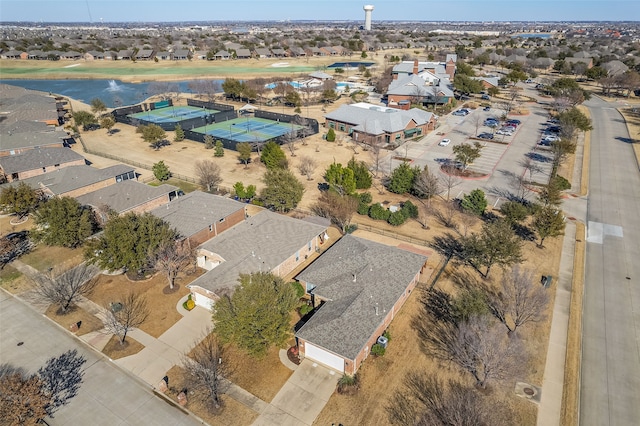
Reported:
(302, 397)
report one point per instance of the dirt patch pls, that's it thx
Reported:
(262, 377)
(571, 389)
(115, 350)
(75, 315)
(231, 413)
(163, 312)
(6, 226)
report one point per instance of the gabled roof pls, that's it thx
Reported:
(125, 196)
(62, 181)
(38, 158)
(355, 277)
(321, 75)
(415, 85)
(260, 243)
(375, 120)
(406, 67)
(195, 211)
(243, 53)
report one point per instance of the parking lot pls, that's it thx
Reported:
(501, 159)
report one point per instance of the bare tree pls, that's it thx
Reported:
(172, 258)
(530, 167)
(450, 178)
(123, 316)
(427, 400)
(290, 140)
(519, 300)
(426, 185)
(447, 215)
(208, 173)
(478, 346)
(306, 166)
(376, 151)
(206, 366)
(67, 288)
(337, 208)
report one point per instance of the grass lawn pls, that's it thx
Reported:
(231, 413)
(115, 350)
(262, 377)
(186, 187)
(162, 303)
(45, 257)
(12, 280)
(73, 316)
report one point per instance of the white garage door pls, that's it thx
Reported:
(327, 358)
(201, 300)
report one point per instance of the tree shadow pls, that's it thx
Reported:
(625, 140)
(524, 232)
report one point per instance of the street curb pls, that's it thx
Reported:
(586, 157)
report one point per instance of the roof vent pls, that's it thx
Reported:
(354, 278)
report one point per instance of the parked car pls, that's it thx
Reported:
(528, 80)
(491, 124)
(553, 129)
(514, 121)
(444, 142)
(485, 136)
(460, 112)
(551, 138)
(485, 97)
(506, 132)
(487, 108)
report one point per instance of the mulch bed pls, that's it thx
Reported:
(292, 354)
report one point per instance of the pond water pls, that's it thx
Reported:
(112, 92)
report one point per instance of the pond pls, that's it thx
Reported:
(112, 92)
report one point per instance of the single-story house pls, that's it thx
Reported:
(266, 242)
(199, 216)
(94, 55)
(37, 161)
(128, 196)
(12, 54)
(222, 55)
(163, 56)
(70, 56)
(125, 55)
(357, 287)
(243, 54)
(587, 61)
(322, 76)
(448, 68)
(370, 123)
(488, 81)
(278, 52)
(145, 55)
(200, 55)
(74, 181)
(262, 52)
(181, 55)
(297, 52)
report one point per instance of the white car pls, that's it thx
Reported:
(504, 132)
(551, 138)
(445, 142)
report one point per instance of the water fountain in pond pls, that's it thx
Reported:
(113, 86)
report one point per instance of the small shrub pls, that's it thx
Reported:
(298, 288)
(363, 208)
(365, 197)
(189, 304)
(562, 183)
(397, 218)
(387, 335)
(351, 228)
(348, 384)
(378, 350)
(377, 212)
(257, 202)
(219, 152)
(305, 309)
(410, 209)
(331, 135)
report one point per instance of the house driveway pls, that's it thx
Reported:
(302, 397)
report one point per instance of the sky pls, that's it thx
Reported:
(97, 11)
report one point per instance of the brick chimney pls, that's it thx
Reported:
(415, 67)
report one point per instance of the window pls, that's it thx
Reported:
(332, 125)
(297, 256)
(222, 220)
(210, 228)
(342, 128)
(309, 246)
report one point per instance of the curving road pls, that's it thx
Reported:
(610, 377)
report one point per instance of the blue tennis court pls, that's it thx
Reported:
(249, 129)
(173, 114)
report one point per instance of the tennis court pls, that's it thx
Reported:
(249, 129)
(173, 114)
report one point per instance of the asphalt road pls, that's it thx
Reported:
(107, 396)
(610, 379)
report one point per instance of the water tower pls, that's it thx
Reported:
(367, 17)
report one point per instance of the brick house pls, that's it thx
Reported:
(356, 287)
(199, 216)
(265, 242)
(368, 123)
(74, 181)
(446, 68)
(37, 161)
(128, 196)
(420, 87)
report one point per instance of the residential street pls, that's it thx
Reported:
(610, 388)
